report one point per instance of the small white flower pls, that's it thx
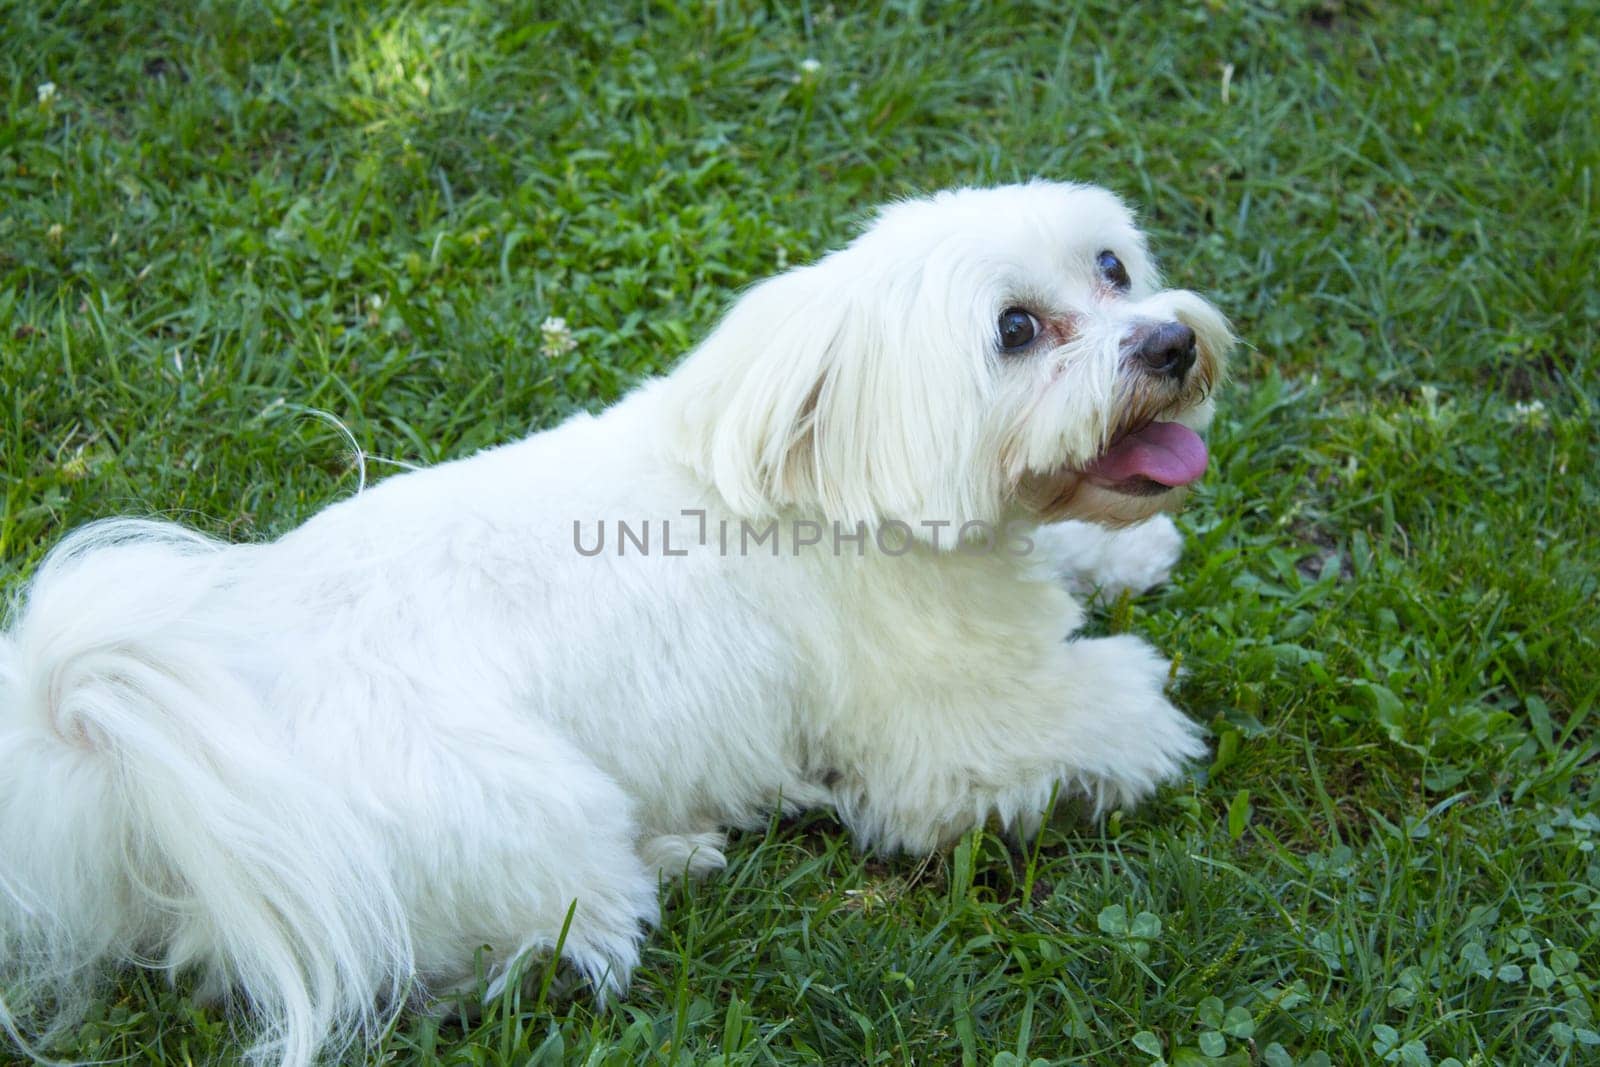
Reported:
(375, 302)
(1433, 408)
(555, 338)
(47, 93)
(782, 258)
(810, 65)
(1531, 413)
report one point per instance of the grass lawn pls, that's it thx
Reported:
(227, 216)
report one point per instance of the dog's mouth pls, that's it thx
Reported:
(1150, 459)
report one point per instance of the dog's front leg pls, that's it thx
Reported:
(1094, 721)
(1114, 734)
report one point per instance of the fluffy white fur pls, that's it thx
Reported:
(322, 773)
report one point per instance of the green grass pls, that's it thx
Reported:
(232, 214)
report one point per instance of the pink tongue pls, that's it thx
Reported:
(1162, 452)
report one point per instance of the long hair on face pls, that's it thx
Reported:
(1069, 407)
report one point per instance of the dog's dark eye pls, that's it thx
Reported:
(1017, 328)
(1112, 270)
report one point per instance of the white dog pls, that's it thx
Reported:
(487, 702)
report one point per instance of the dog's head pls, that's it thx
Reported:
(978, 355)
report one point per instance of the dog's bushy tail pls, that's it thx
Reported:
(147, 816)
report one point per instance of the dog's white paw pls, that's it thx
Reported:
(1092, 558)
(686, 855)
(1139, 557)
(1166, 741)
(1137, 739)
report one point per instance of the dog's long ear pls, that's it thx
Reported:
(837, 388)
(742, 408)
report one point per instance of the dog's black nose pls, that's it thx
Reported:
(1168, 349)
